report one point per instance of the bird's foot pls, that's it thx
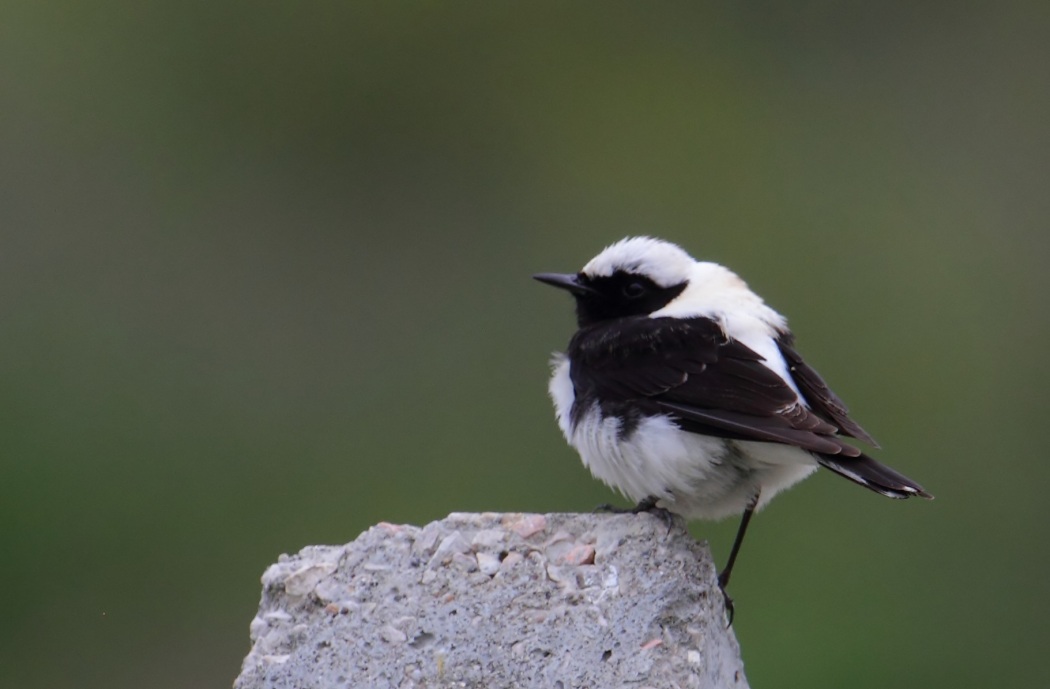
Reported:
(727, 602)
(646, 505)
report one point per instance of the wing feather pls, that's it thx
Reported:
(819, 396)
(707, 381)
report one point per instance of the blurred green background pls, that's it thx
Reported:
(264, 281)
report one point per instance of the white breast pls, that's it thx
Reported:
(694, 475)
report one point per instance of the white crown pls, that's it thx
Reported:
(664, 263)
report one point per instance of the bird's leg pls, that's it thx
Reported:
(723, 578)
(645, 505)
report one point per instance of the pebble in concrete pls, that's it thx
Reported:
(496, 600)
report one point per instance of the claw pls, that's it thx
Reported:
(727, 602)
(646, 505)
(730, 609)
(665, 515)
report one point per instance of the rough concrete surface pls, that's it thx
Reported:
(559, 601)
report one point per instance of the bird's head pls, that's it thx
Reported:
(633, 277)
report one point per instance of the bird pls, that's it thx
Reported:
(683, 390)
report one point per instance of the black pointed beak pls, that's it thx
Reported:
(567, 282)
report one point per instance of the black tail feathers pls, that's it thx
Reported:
(873, 476)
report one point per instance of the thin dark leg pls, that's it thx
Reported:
(723, 578)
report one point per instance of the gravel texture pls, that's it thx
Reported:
(559, 601)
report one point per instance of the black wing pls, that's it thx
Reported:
(711, 384)
(819, 396)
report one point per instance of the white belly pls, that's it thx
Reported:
(694, 475)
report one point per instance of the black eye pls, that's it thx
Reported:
(633, 290)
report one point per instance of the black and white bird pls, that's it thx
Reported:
(682, 389)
